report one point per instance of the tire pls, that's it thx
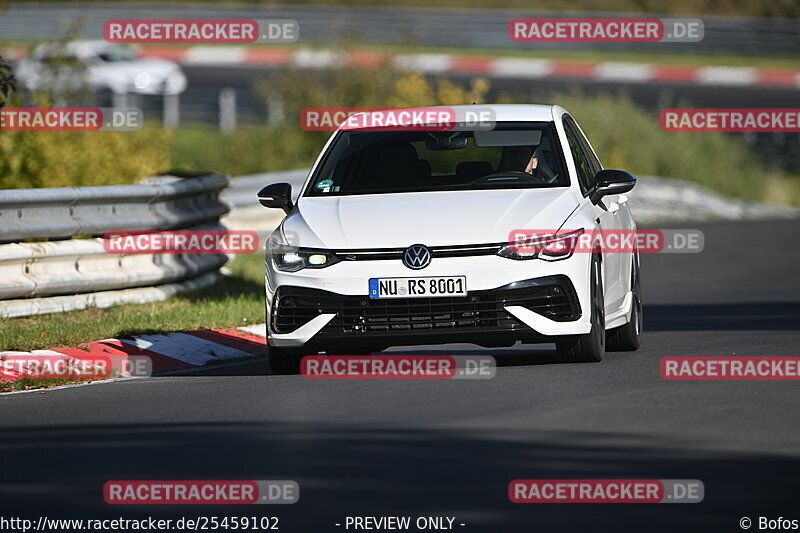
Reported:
(284, 362)
(589, 348)
(628, 338)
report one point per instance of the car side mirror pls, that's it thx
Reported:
(611, 182)
(277, 195)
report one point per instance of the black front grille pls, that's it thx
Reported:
(553, 297)
(461, 250)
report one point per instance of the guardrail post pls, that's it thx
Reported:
(275, 111)
(119, 100)
(227, 110)
(171, 116)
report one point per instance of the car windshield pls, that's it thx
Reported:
(117, 54)
(511, 156)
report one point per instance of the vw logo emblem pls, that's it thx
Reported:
(417, 256)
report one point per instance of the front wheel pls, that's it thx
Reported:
(589, 347)
(628, 338)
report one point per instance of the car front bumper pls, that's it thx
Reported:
(507, 301)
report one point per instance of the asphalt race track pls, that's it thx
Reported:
(451, 447)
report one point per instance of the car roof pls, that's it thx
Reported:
(501, 112)
(78, 47)
(512, 112)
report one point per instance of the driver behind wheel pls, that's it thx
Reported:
(518, 159)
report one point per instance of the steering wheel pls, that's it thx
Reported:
(508, 175)
(546, 174)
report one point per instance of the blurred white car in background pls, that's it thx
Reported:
(101, 67)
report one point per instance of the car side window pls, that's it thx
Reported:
(582, 165)
(594, 163)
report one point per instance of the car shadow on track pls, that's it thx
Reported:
(734, 316)
(520, 355)
(353, 469)
(524, 356)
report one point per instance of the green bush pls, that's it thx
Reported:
(261, 148)
(624, 135)
(7, 84)
(628, 137)
(60, 159)
(250, 149)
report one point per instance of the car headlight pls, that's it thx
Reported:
(546, 246)
(142, 80)
(288, 258)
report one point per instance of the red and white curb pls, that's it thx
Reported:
(493, 67)
(168, 352)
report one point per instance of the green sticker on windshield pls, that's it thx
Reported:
(324, 184)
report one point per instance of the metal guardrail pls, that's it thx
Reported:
(243, 189)
(246, 213)
(73, 273)
(62, 212)
(469, 27)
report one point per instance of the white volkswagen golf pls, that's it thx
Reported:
(406, 237)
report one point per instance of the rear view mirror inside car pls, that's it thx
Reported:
(448, 141)
(508, 138)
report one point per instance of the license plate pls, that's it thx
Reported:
(425, 287)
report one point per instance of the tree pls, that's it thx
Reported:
(7, 83)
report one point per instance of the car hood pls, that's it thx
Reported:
(158, 68)
(431, 218)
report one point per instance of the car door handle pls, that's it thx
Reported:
(613, 207)
(622, 199)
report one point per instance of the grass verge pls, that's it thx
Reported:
(236, 300)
